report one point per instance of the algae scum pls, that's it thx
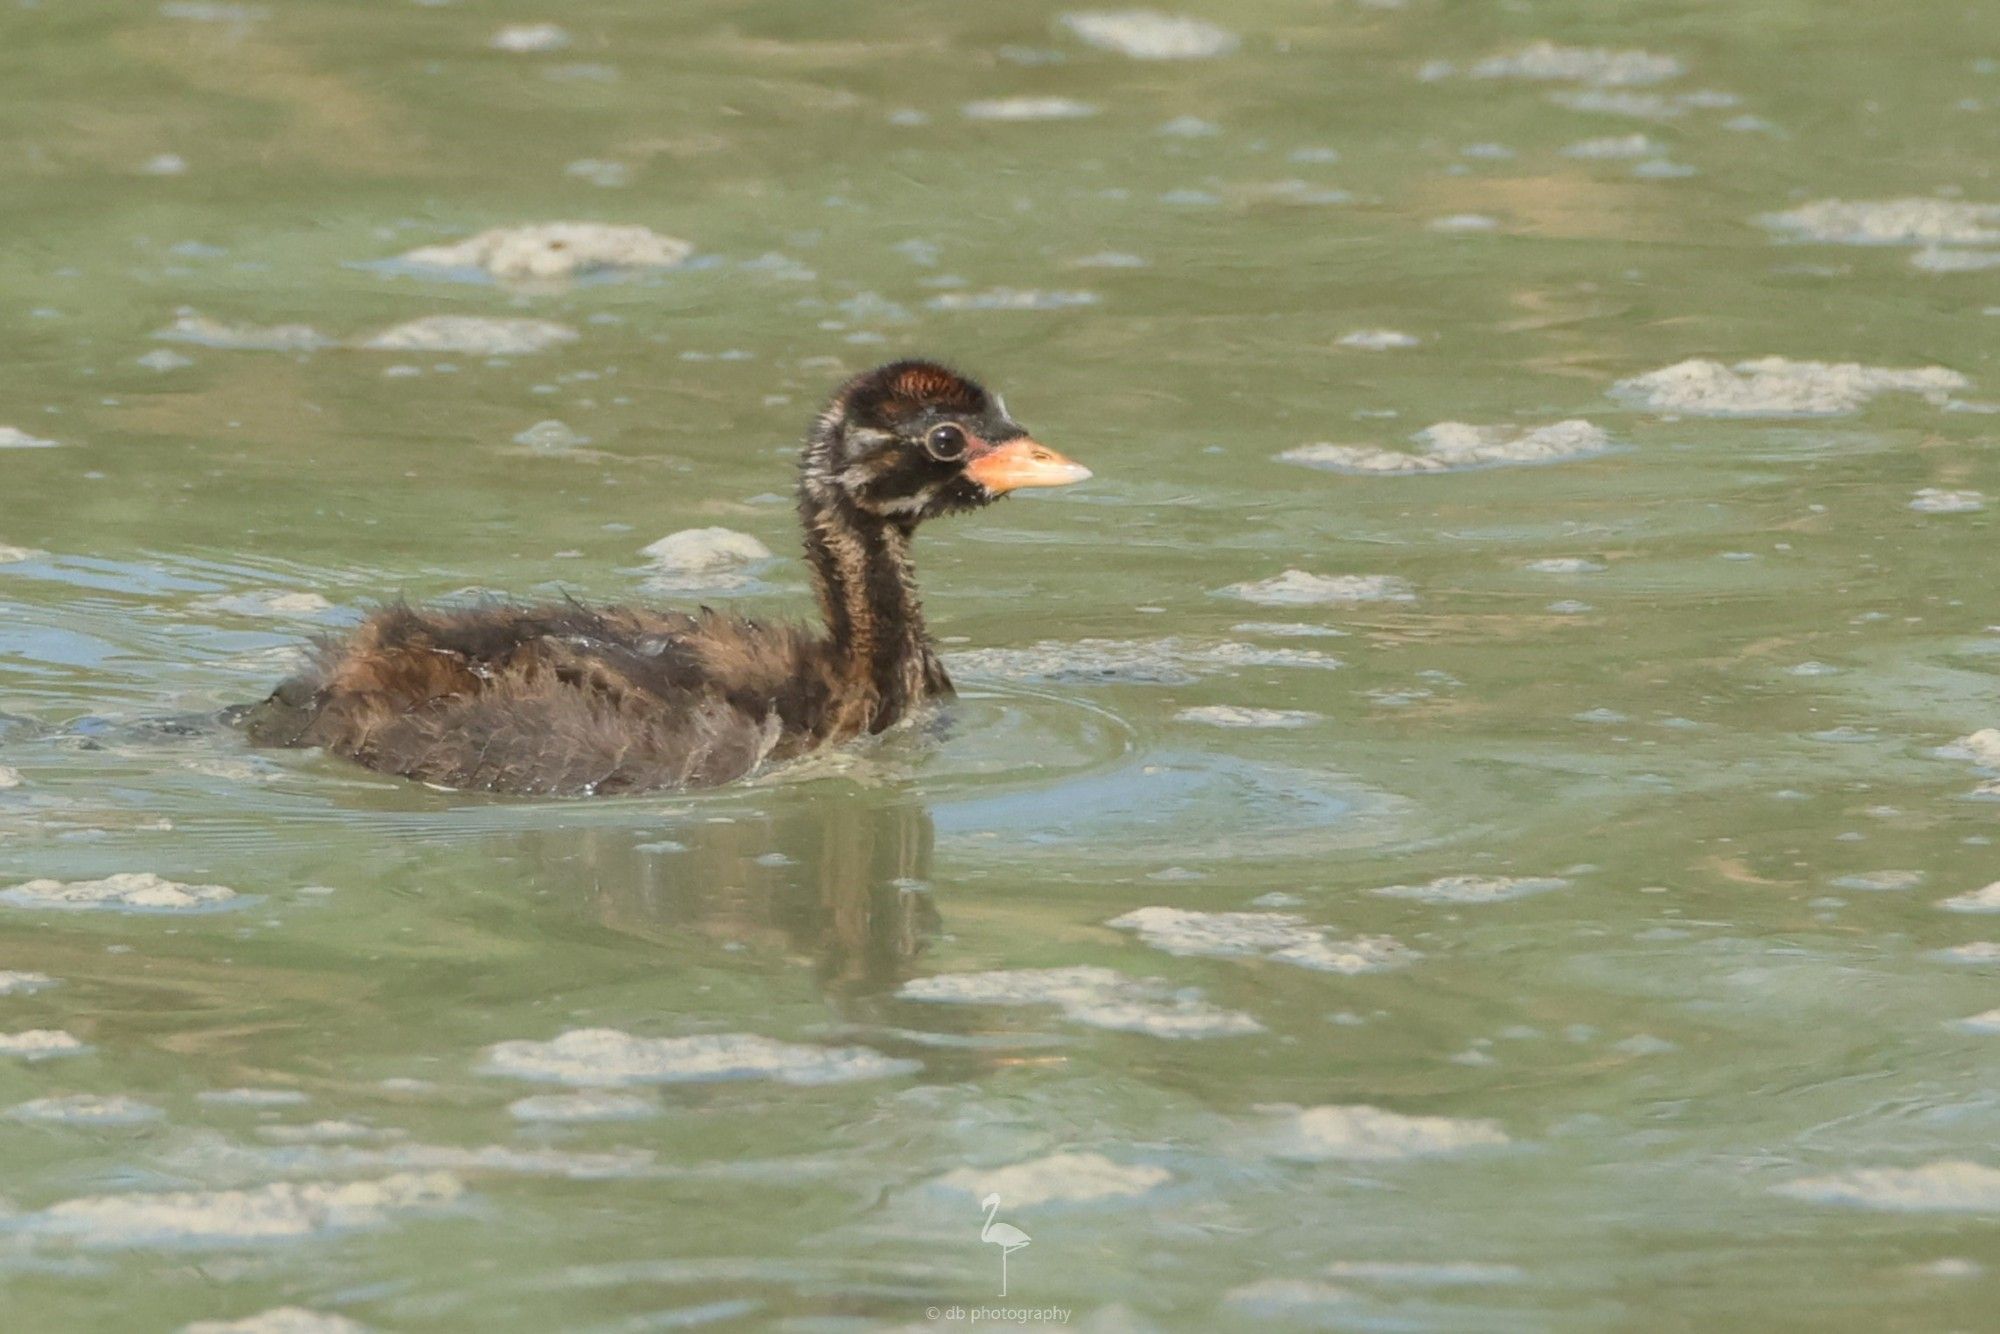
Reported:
(1480, 817)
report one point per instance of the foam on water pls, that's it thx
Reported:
(1984, 1024)
(1146, 34)
(1565, 565)
(586, 1107)
(1880, 881)
(1911, 222)
(1933, 259)
(1427, 1273)
(1238, 715)
(1614, 147)
(1013, 298)
(279, 1320)
(1474, 888)
(1545, 61)
(1370, 1134)
(1094, 997)
(192, 327)
(704, 551)
(473, 335)
(1301, 588)
(1278, 937)
(128, 891)
(264, 602)
(527, 38)
(1307, 1301)
(1941, 1187)
(1972, 952)
(252, 1097)
(86, 1109)
(1778, 387)
(1452, 446)
(1060, 1178)
(554, 250)
(1937, 500)
(1028, 108)
(12, 555)
(285, 1211)
(1169, 661)
(21, 984)
(1981, 747)
(607, 1058)
(1378, 340)
(40, 1044)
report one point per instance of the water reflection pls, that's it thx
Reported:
(831, 874)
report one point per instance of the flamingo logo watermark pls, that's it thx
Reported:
(1004, 1235)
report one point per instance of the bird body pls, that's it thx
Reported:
(572, 699)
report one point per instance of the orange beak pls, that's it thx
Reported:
(1020, 464)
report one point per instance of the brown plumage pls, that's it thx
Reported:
(576, 699)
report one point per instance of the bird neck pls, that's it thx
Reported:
(992, 1212)
(868, 595)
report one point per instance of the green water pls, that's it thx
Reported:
(1691, 1046)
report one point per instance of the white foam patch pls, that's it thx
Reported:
(192, 327)
(252, 1097)
(1936, 260)
(1474, 888)
(1981, 747)
(1238, 715)
(133, 892)
(1028, 108)
(1288, 629)
(279, 1320)
(1146, 34)
(325, 1132)
(1060, 1178)
(1889, 222)
(1778, 387)
(265, 602)
(1940, 1187)
(1544, 61)
(1301, 588)
(1876, 882)
(285, 1211)
(1465, 222)
(528, 38)
(1278, 937)
(1168, 661)
(1613, 147)
(12, 555)
(1379, 340)
(1986, 1024)
(585, 1108)
(40, 1044)
(1565, 565)
(555, 250)
(1307, 1301)
(1938, 500)
(704, 551)
(1370, 1134)
(1427, 1273)
(1972, 952)
(1094, 997)
(1013, 298)
(86, 1109)
(607, 1058)
(1642, 106)
(21, 984)
(473, 335)
(13, 437)
(1451, 446)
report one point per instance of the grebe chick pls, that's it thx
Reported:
(574, 699)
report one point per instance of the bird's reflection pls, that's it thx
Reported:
(822, 871)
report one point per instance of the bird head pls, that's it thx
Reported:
(912, 440)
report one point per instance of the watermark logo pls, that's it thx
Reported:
(1004, 1235)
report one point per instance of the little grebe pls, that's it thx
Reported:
(576, 699)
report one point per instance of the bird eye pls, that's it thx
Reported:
(945, 442)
